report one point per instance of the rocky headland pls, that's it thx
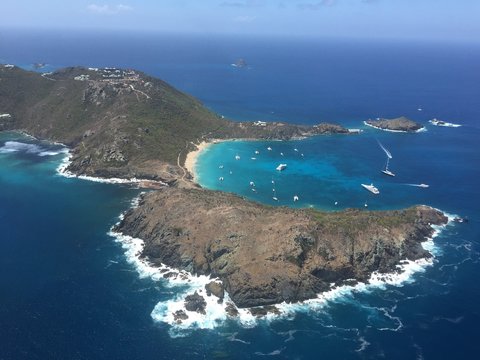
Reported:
(267, 255)
(401, 124)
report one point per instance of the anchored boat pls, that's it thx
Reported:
(371, 188)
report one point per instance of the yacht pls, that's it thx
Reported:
(281, 167)
(371, 188)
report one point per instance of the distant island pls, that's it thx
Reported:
(240, 63)
(401, 124)
(122, 123)
(38, 65)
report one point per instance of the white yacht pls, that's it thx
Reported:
(281, 167)
(371, 188)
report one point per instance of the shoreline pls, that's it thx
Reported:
(192, 157)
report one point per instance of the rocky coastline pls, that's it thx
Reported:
(265, 255)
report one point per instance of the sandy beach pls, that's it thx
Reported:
(192, 156)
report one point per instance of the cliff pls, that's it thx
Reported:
(266, 255)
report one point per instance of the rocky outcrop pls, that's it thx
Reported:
(195, 302)
(265, 255)
(398, 124)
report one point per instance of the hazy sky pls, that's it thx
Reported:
(424, 19)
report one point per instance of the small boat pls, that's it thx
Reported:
(253, 158)
(281, 167)
(269, 148)
(460, 219)
(423, 185)
(371, 188)
(237, 157)
(295, 198)
(220, 178)
(252, 183)
(281, 153)
(389, 156)
(301, 154)
(366, 205)
(254, 190)
(275, 198)
(295, 149)
(387, 172)
(257, 152)
(220, 167)
(336, 202)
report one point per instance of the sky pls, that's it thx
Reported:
(455, 20)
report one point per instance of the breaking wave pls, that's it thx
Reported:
(34, 149)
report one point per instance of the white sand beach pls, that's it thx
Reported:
(192, 156)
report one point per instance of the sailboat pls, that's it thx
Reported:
(386, 171)
(389, 156)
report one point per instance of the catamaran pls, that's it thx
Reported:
(371, 188)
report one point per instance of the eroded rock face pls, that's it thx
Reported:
(266, 255)
(216, 289)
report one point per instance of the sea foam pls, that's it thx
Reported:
(62, 170)
(34, 149)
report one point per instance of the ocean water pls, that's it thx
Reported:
(70, 290)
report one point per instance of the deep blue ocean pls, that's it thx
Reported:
(68, 291)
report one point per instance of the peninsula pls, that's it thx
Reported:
(126, 124)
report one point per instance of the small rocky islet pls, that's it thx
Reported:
(402, 124)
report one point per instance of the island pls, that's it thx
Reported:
(401, 124)
(122, 123)
(240, 63)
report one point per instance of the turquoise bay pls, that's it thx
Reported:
(333, 167)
